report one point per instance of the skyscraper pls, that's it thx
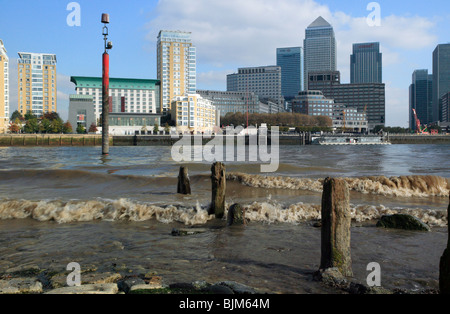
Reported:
(176, 57)
(37, 83)
(366, 63)
(291, 62)
(441, 78)
(420, 97)
(319, 47)
(4, 88)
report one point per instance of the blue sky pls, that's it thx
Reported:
(227, 33)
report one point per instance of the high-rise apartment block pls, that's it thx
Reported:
(264, 81)
(291, 62)
(441, 78)
(37, 91)
(176, 66)
(319, 48)
(421, 98)
(366, 63)
(126, 95)
(4, 88)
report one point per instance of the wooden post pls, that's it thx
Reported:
(184, 186)
(336, 221)
(444, 264)
(218, 181)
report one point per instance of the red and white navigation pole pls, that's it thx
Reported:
(105, 88)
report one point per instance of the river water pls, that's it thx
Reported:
(65, 204)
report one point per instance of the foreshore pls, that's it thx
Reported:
(17, 140)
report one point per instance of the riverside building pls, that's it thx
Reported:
(232, 102)
(126, 95)
(367, 97)
(264, 81)
(4, 88)
(194, 114)
(314, 103)
(176, 66)
(37, 92)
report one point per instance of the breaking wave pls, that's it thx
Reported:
(403, 186)
(123, 209)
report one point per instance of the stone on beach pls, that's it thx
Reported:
(20, 286)
(402, 221)
(105, 288)
(236, 215)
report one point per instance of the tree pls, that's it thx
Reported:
(167, 128)
(31, 125)
(17, 115)
(156, 128)
(45, 126)
(67, 128)
(56, 126)
(14, 127)
(93, 128)
(81, 129)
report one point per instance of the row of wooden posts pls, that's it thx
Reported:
(336, 221)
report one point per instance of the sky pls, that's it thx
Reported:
(228, 34)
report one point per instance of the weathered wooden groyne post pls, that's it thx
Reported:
(218, 181)
(184, 184)
(444, 264)
(336, 222)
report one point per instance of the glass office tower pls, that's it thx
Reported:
(366, 63)
(290, 60)
(319, 48)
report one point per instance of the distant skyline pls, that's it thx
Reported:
(227, 34)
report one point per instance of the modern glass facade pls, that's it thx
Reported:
(233, 102)
(319, 48)
(366, 63)
(420, 98)
(291, 62)
(176, 66)
(441, 78)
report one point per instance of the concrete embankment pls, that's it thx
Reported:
(51, 140)
(167, 140)
(418, 139)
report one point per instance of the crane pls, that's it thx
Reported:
(419, 129)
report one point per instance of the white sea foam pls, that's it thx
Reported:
(403, 186)
(265, 212)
